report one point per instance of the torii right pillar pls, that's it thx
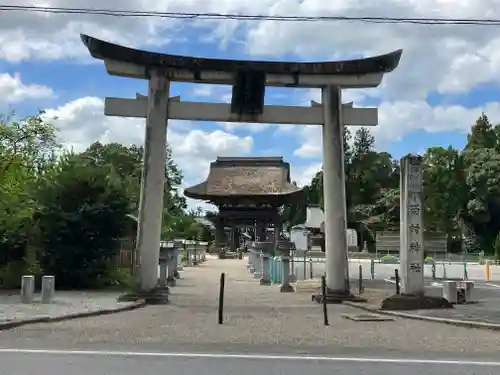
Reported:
(334, 197)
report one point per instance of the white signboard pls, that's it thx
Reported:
(352, 238)
(300, 237)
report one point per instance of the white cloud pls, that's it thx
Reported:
(435, 58)
(14, 90)
(48, 36)
(396, 119)
(253, 128)
(303, 174)
(447, 58)
(203, 91)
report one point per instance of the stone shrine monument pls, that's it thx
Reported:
(249, 80)
(412, 295)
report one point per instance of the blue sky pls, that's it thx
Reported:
(430, 100)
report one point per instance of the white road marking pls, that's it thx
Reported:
(494, 286)
(251, 356)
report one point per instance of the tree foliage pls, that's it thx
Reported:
(65, 212)
(461, 187)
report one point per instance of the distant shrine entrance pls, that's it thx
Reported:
(249, 80)
(248, 192)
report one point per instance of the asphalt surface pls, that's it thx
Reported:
(123, 363)
(485, 309)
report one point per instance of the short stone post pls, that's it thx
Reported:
(258, 265)
(179, 245)
(189, 259)
(265, 269)
(286, 287)
(293, 276)
(27, 288)
(177, 266)
(163, 273)
(48, 288)
(253, 261)
(450, 291)
(284, 248)
(194, 257)
(171, 268)
(249, 260)
(198, 255)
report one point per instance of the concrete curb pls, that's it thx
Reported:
(455, 322)
(54, 319)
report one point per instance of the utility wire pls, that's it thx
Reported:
(246, 17)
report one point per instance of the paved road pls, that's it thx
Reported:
(129, 363)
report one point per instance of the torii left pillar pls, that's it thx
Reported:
(152, 190)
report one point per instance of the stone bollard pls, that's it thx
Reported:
(163, 273)
(293, 273)
(195, 257)
(249, 260)
(189, 259)
(286, 287)
(253, 261)
(178, 260)
(265, 269)
(178, 267)
(469, 291)
(258, 267)
(450, 291)
(48, 288)
(171, 269)
(27, 288)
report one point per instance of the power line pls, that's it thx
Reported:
(246, 17)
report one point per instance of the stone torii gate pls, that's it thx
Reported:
(249, 80)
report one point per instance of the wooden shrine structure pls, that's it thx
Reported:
(248, 191)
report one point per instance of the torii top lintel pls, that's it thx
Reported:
(106, 51)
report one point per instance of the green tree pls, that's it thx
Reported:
(127, 161)
(82, 218)
(445, 189)
(27, 156)
(482, 135)
(482, 168)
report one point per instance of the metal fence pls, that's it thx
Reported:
(307, 267)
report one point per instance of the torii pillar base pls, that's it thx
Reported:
(333, 297)
(155, 297)
(415, 302)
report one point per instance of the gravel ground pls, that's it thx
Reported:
(256, 318)
(65, 303)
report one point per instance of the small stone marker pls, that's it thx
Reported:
(48, 288)
(27, 288)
